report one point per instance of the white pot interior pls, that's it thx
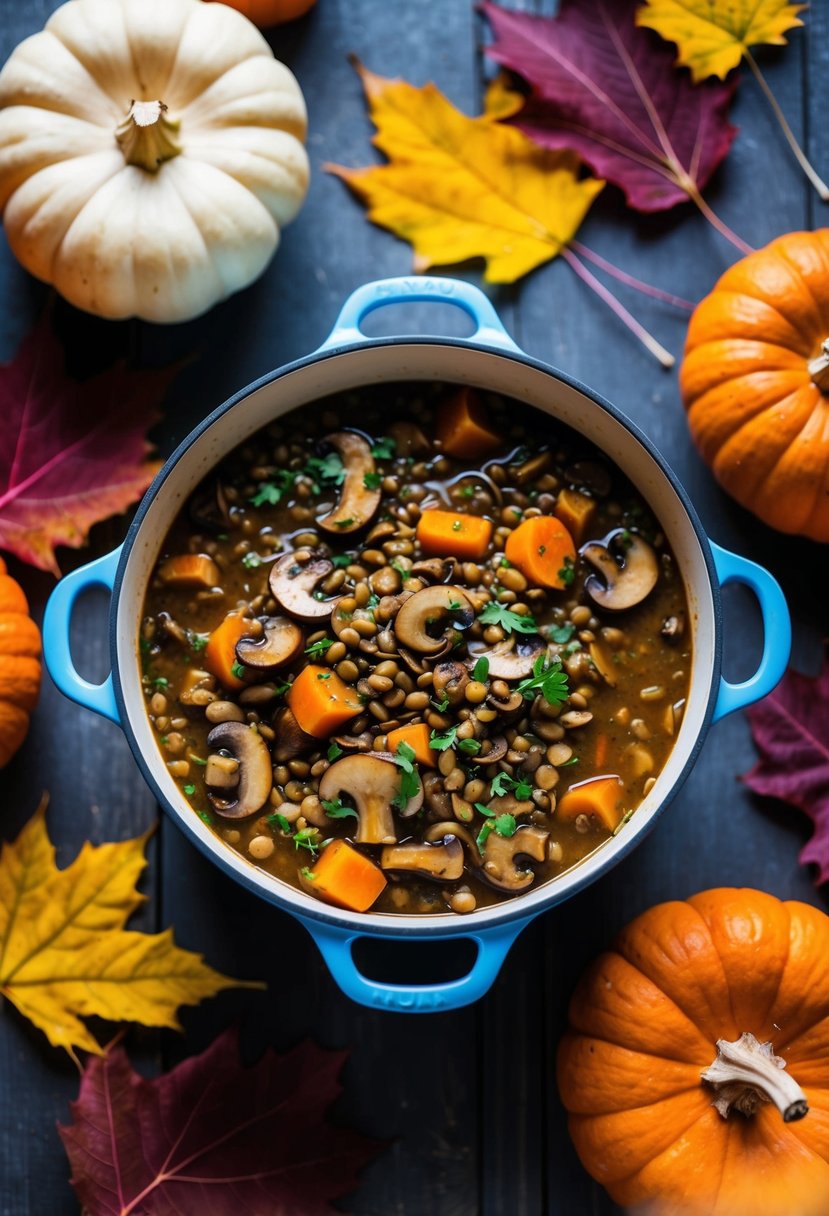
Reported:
(418, 361)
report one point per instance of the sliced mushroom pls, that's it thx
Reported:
(280, 643)
(512, 659)
(532, 468)
(409, 439)
(434, 570)
(355, 743)
(246, 745)
(603, 664)
(221, 772)
(291, 740)
(498, 748)
(450, 681)
(293, 579)
(439, 831)
(508, 804)
(415, 666)
(620, 584)
(372, 781)
(441, 861)
(510, 705)
(501, 854)
(427, 609)
(357, 503)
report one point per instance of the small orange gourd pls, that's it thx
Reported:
(19, 665)
(271, 12)
(688, 1046)
(755, 380)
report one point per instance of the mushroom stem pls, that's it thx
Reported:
(146, 135)
(746, 1073)
(819, 367)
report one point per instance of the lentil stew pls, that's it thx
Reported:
(415, 649)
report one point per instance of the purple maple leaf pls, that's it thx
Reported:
(791, 732)
(608, 89)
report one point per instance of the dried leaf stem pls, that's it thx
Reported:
(818, 182)
(647, 289)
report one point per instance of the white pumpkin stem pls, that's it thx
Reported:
(747, 1073)
(819, 367)
(146, 135)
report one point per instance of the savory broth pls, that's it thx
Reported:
(415, 649)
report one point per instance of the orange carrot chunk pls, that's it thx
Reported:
(189, 570)
(463, 426)
(345, 878)
(543, 550)
(321, 702)
(417, 737)
(598, 796)
(452, 534)
(220, 651)
(576, 512)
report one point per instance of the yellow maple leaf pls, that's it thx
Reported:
(64, 951)
(712, 36)
(458, 188)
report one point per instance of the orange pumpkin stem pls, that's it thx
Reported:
(146, 136)
(747, 1073)
(819, 367)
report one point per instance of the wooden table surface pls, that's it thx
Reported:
(469, 1097)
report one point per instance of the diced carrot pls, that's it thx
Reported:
(417, 737)
(463, 426)
(543, 550)
(601, 750)
(576, 512)
(220, 651)
(598, 796)
(453, 534)
(189, 570)
(321, 702)
(345, 878)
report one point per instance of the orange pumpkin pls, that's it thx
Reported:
(754, 381)
(672, 1105)
(271, 12)
(19, 665)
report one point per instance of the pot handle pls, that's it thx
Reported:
(335, 945)
(414, 289)
(777, 631)
(56, 647)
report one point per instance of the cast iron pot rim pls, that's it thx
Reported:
(402, 924)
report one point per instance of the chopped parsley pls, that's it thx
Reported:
(197, 641)
(278, 820)
(307, 839)
(569, 763)
(409, 781)
(341, 559)
(383, 449)
(502, 784)
(562, 633)
(334, 751)
(161, 681)
(480, 671)
(338, 810)
(372, 481)
(372, 602)
(344, 523)
(237, 670)
(397, 565)
(208, 819)
(197, 760)
(271, 492)
(329, 469)
(472, 746)
(319, 647)
(548, 679)
(323, 675)
(567, 573)
(189, 789)
(440, 743)
(251, 561)
(510, 622)
(308, 874)
(466, 492)
(442, 705)
(504, 825)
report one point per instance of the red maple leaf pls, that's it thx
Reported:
(71, 452)
(213, 1138)
(791, 732)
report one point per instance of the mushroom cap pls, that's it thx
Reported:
(441, 861)
(511, 659)
(357, 503)
(291, 740)
(292, 580)
(372, 780)
(500, 853)
(428, 607)
(616, 586)
(448, 827)
(280, 643)
(255, 777)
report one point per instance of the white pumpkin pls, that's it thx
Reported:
(161, 208)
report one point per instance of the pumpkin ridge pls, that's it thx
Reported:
(819, 307)
(817, 488)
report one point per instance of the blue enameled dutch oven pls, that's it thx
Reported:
(489, 359)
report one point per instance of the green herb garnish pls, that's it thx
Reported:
(323, 675)
(480, 671)
(344, 523)
(442, 705)
(562, 633)
(548, 679)
(472, 746)
(504, 825)
(338, 810)
(383, 449)
(502, 784)
(466, 492)
(334, 751)
(307, 839)
(440, 743)
(161, 681)
(372, 481)
(308, 874)
(271, 492)
(319, 647)
(197, 641)
(567, 573)
(237, 670)
(510, 622)
(328, 469)
(397, 565)
(189, 790)
(340, 560)
(251, 560)
(208, 819)
(197, 760)
(409, 781)
(569, 763)
(278, 820)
